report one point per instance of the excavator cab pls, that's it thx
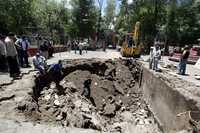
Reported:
(131, 46)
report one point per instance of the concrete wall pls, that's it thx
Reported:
(165, 102)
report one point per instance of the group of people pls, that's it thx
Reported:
(155, 56)
(80, 46)
(40, 64)
(13, 54)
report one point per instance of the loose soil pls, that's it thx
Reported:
(115, 103)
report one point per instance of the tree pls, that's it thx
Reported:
(84, 17)
(15, 15)
(174, 20)
(110, 13)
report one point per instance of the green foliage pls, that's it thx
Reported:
(15, 15)
(84, 18)
(175, 21)
(110, 13)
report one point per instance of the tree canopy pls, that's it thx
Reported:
(172, 21)
(175, 22)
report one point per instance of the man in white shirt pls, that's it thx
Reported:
(18, 44)
(156, 57)
(39, 63)
(12, 56)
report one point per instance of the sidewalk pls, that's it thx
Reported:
(170, 67)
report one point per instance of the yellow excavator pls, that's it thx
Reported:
(131, 46)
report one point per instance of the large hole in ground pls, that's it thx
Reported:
(92, 94)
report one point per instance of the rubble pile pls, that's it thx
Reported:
(113, 104)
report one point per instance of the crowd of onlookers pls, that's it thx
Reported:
(14, 53)
(155, 56)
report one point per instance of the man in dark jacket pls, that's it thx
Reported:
(24, 56)
(183, 60)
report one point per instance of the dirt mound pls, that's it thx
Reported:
(104, 96)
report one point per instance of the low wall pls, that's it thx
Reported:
(57, 48)
(165, 102)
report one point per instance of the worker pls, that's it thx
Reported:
(55, 71)
(156, 56)
(183, 61)
(39, 63)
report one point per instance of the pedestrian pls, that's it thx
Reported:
(156, 57)
(39, 63)
(75, 45)
(183, 61)
(80, 46)
(3, 61)
(44, 49)
(12, 56)
(24, 52)
(18, 44)
(50, 49)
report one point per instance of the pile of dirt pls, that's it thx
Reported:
(100, 95)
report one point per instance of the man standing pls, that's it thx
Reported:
(3, 66)
(81, 47)
(24, 56)
(156, 57)
(183, 60)
(12, 56)
(18, 44)
(44, 49)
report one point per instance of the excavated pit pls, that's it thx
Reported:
(115, 103)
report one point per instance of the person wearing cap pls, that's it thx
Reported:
(183, 61)
(12, 56)
(3, 65)
(39, 63)
(156, 56)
